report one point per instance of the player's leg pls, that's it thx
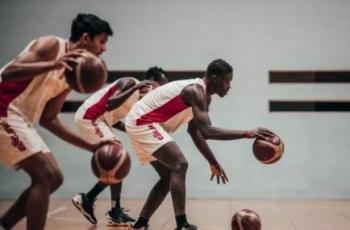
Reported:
(92, 131)
(117, 216)
(85, 202)
(159, 191)
(171, 156)
(45, 178)
(22, 147)
(156, 196)
(16, 212)
(151, 143)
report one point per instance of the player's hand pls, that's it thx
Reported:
(68, 59)
(218, 172)
(262, 133)
(146, 83)
(94, 147)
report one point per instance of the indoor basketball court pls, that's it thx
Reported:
(257, 92)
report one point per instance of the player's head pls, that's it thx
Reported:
(91, 32)
(219, 75)
(156, 74)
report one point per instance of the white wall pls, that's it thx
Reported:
(255, 36)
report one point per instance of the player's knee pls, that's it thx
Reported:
(57, 180)
(44, 178)
(181, 166)
(49, 177)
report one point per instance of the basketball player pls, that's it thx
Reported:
(33, 90)
(105, 109)
(161, 112)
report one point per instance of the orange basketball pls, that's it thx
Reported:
(270, 151)
(246, 219)
(88, 75)
(111, 163)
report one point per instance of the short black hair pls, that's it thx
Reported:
(88, 23)
(155, 74)
(218, 67)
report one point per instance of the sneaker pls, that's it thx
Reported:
(188, 226)
(85, 206)
(118, 218)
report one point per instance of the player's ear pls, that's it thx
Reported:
(214, 78)
(85, 38)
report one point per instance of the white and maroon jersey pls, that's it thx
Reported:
(164, 105)
(28, 98)
(95, 107)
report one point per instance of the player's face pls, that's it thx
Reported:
(98, 44)
(223, 84)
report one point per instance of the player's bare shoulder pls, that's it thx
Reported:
(46, 47)
(192, 93)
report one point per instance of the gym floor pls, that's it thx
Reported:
(210, 214)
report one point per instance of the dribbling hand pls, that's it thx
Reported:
(68, 59)
(146, 83)
(262, 133)
(95, 146)
(218, 172)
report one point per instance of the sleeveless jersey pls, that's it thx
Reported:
(28, 98)
(164, 106)
(95, 107)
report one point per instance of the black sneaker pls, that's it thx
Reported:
(118, 218)
(85, 207)
(188, 226)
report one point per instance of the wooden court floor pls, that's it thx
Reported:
(210, 214)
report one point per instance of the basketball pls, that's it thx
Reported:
(246, 219)
(111, 163)
(88, 75)
(270, 151)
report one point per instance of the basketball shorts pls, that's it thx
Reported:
(146, 139)
(95, 131)
(18, 140)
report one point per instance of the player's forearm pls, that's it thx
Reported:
(59, 129)
(215, 133)
(24, 71)
(118, 100)
(202, 145)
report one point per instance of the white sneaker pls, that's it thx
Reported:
(85, 207)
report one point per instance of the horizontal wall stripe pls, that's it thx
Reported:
(309, 106)
(274, 106)
(309, 76)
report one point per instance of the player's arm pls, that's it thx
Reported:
(120, 126)
(205, 150)
(126, 87)
(53, 123)
(40, 58)
(195, 96)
